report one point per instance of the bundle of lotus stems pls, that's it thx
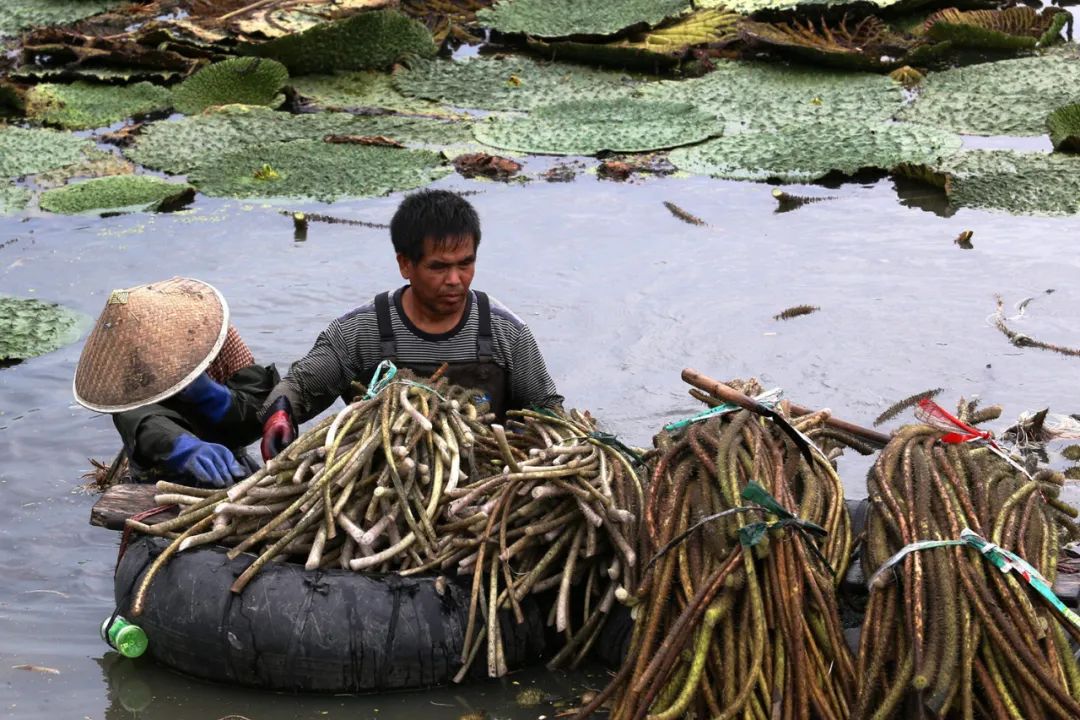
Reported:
(947, 634)
(736, 615)
(413, 479)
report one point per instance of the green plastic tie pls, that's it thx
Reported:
(753, 533)
(378, 382)
(768, 399)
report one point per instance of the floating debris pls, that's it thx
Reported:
(14, 198)
(18, 15)
(493, 167)
(29, 327)
(561, 172)
(683, 215)
(36, 668)
(300, 226)
(796, 311)
(786, 202)
(243, 81)
(529, 697)
(123, 137)
(964, 240)
(1022, 340)
(902, 405)
(316, 217)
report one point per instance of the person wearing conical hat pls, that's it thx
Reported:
(182, 388)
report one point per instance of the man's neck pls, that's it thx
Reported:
(424, 319)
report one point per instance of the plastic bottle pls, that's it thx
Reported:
(126, 638)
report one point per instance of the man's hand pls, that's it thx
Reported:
(279, 429)
(209, 463)
(211, 399)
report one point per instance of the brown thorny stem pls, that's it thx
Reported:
(727, 631)
(947, 635)
(416, 480)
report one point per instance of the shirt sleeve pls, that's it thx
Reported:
(530, 383)
(149, 432)
(317, 379)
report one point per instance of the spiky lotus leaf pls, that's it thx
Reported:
(17, 15)
(363, 89)
(1015, 28)
(864, 44)
(751, 95)
(243, 81)
(1009, 97)
(508, 83)
(28, 151)
(180, 146)
(29, 327)
(13, 198)
(317, 169)
(107, 75)
(284, 18)
(112, 193)
(83, 105)
(563, 18)
(94, 163)
(907, 76)
(367, 41)
(1064, 126)
(806, 152)
(750, 7)
(587, 127)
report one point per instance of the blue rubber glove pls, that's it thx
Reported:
(211, 399)
(209, 463)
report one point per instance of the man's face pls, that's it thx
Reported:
(441, 278)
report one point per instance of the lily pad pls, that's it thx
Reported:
(94, 163)
(1015, 28)
(508, 83)
(18, 15)
(807, 152)
(180, 146)
(244, 81)
(13, 198)
(587, 127)
(750, 95)
(317, 169)
(363, 89)
(1010, 97)
(367, 41)
(865, 44)
(34, 74)
(29, 327)
(82, 105)
(28, 151)
(110, 193)
(1064, 126)
(561, 18)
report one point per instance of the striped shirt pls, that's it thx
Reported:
(351, 344)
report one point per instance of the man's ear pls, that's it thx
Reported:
(405, 265)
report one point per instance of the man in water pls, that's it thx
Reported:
(433, 319)
(183, 389)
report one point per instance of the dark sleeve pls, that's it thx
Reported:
(530, 383)
(250, 387)
(317, 379)
(149, 432)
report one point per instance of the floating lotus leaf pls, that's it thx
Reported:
(13, 198)
(1015, 28)
(1064, 126)
(288, 18)
(363, 89)
(244, 81)
(367, 41)
(508, 83)
(28, 151)
(89, 73)
(1010, 97)
(94, 163)
(448, 18)
(562, 18)
(29, 328)
(586, 127)
(807, 152)
(865, 44)
(111, 193)
(81, 105)
(751, 95)
(750, 7)
(16, 15)
(178, 147)
(317, 169)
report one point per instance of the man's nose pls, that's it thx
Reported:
(453, 277)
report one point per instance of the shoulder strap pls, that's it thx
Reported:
(387, 343)
(484, 351)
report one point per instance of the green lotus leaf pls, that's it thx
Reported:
(111, 193)
(180, 146)
(106, 75)
(367, 41)
(1015, 28)
(18, 15)
(1009, 97)
(1064, 126)
(13, 199)
(82, 105)
(29, 327)
(587, 127)
(28, 151)
(363, 89)
(94, 163)
(243, 81)
(317, 169)
(807, 152)
(866, 44)
(562, 18)
(508, 83)
(750, 95)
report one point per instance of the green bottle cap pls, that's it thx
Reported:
(126, 638)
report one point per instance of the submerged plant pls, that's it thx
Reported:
(244, 81)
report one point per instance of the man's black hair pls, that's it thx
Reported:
(439, 214)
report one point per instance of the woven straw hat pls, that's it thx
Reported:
(149, 343)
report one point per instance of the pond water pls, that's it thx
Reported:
(620, 293)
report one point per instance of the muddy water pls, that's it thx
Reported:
(622, 296)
